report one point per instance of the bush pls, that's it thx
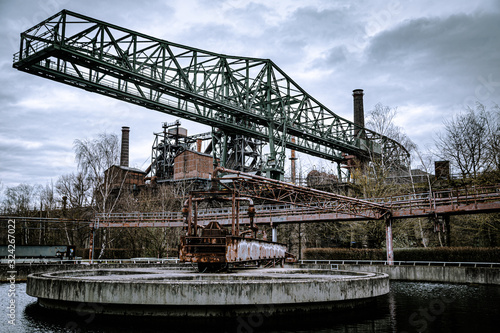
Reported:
(460, 254)
(344, 254)
(449, 254)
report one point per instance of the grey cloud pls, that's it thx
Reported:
(427, 63)
(457, 44)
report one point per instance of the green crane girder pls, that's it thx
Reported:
(248, 96)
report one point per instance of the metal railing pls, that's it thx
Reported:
(36, 261)
(452, 197)
(403, 263)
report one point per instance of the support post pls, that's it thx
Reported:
(388, 241)
(91, 243)
(274, 233)
(92, 238)
(189, 215)
(447, 230)
(237, 218)
(300, 241)
(233, 215)
(195, 218)
(293, 166)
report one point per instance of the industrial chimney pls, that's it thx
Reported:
(125, 146)
(359, 113)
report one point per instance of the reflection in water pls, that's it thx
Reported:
(391, 304)
(409, 307)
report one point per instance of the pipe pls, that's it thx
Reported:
(293, 167)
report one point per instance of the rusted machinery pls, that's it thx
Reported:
(214, 248)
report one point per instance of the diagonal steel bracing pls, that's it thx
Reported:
(270, 190)
(247, 96)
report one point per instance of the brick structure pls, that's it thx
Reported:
(124, 177)
(192, 164)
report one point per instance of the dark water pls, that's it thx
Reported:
(409, 307)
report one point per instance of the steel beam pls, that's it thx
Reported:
(240, 95)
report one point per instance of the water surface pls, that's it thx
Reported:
(409, 307)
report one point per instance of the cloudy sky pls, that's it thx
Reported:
(428, 58)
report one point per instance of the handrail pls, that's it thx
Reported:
(401, 263)
(36, 261)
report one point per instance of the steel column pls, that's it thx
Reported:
(388, 241)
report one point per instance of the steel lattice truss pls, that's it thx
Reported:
(257, 187)
(248, 96)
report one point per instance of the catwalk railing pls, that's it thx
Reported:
(452, 201)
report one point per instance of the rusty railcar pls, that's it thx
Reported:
(214, 248)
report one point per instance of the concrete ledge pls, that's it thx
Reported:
(23, 270)
(164, 292)
(448, 274)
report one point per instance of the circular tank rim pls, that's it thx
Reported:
(167, 292)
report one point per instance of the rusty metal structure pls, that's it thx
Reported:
(300, 197)
(284, 203)
(445, 202)
(281, 203)
(168, 145)
(213, 247)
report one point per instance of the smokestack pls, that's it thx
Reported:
(293, 167)
(359, 113)
(125, 146)
(198, 145)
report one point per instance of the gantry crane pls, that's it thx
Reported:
(243, 96)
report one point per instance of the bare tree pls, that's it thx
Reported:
(494, 142)
(379, 176)
(94, 158)
(381, 120)
(465, 142)
(20, 199)
(385, 175)
(75, 188)
(48, 198)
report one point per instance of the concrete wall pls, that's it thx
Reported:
(23, 270)
(480, 275)
(185, 293)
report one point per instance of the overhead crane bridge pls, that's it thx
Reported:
(234, 95)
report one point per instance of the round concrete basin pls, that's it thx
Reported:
(170, 292)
